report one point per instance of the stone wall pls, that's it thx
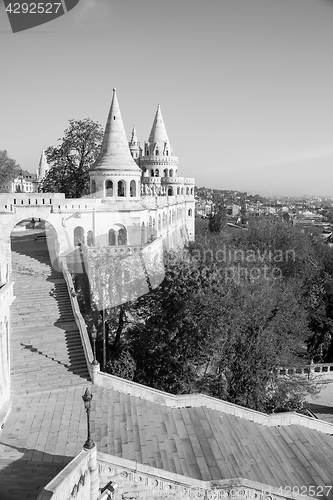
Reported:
(131, 480)
(6, 298)
(79, 480)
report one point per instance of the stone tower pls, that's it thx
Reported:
(134, 146)
(115, 175)
(159, 166)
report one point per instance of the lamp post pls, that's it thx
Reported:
(93, 337)
(87, 397)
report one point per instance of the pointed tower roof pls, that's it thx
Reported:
(43, 166)
(158, 132)
(115, 153)
(134, 139)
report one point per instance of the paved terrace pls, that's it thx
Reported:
(47, 427)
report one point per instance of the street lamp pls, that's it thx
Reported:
(87, 397)
(93, 337)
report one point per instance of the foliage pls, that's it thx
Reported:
(231, 310)
(70, 162)
(9, 169)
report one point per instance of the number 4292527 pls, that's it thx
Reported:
(33, 8)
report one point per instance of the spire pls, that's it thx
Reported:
(134, 138)
(115, 154)
(158, 132)
(43, 166)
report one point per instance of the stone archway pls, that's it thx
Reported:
(9, 221)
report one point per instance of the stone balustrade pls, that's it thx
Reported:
(313, 369)
(79, 479)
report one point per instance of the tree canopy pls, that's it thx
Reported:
(233, 308)
(70, 162)
(9, 169)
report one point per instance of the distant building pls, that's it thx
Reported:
(26, 182)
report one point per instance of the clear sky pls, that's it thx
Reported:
(245, 86)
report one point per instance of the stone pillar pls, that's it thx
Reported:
(94, 373)
(94, 477)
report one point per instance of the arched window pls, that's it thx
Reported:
(122, 236)
(165, 172)
(147, 152)
(167, 152)
(152, 172)
(191, 190)
(178, 190)
(90, 239)
(108, 188)
(78, 236)
(157, 173)
(133, 188)
(156, 152)
(182, 191)
(187, 191)
(121, 188)
(170, 191)
(112, 237)
(190, 212)
(170, 172)
(93, 187)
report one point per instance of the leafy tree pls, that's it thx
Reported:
(70, 162)
(9, 169)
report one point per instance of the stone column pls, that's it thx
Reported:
(94, 477)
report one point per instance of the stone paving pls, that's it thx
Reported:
(46, 426)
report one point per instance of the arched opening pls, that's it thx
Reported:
(93, 187)
(157, 172)
(165, 172)
(178, 190)
(33, 237)
(78, 236)
(133, 188)
(191, 190)
(152, 172)
(170, 172)
(90, 239)
(121, 188)
(170, 191)
(108, 188)
(187, 191)
(122, 236)
(112, 237)
(189, 212)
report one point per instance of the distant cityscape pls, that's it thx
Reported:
(312, 213)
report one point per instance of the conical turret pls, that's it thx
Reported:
(115, 153)
(134, 146)
(158, 142)
(43, 166)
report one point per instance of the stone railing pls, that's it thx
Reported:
(79, 479)
(80, 322)
(6, 296)
(320, 371)
(133, 480)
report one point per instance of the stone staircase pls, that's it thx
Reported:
(46, 350)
